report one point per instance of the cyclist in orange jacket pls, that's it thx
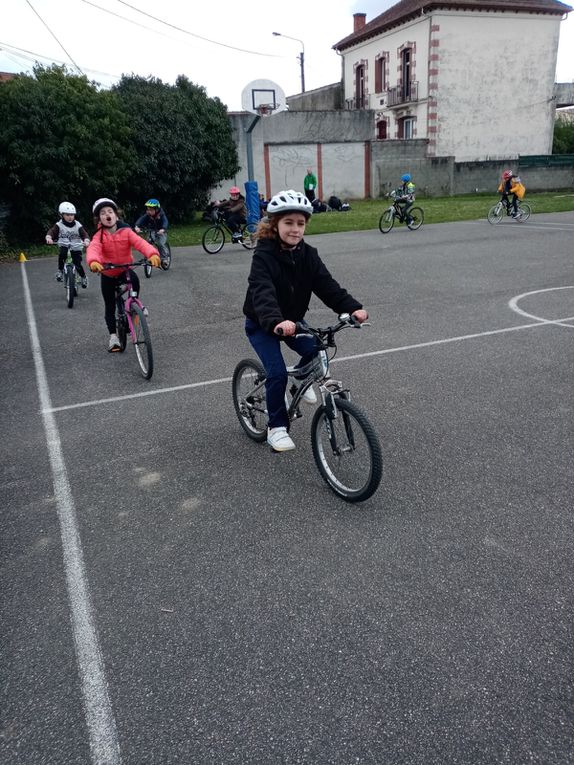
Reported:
(512, 190)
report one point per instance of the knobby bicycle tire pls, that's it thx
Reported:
(347, 451)
(249, 398)
(165, 257)
(70, 281)
(386, 221)
(213, 240)
(416, 216)
(142, 341)
(122, 327)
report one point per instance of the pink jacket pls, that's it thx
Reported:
(117, 247)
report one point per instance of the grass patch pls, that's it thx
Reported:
(363, 216)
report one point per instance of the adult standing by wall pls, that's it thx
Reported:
(310, 184)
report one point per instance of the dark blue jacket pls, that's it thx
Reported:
(156, 223)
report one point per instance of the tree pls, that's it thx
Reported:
(563, 142)
(61, 139)
(183, 141)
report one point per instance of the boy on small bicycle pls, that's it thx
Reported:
(154, 219)
(112, 243)
(404, 196)
(69, 234)
(285, 271)
(234, 211)
(512, 190)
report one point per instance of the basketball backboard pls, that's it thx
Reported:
(263, 97)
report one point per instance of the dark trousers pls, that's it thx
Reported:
(76, 259)
(310, 194)
(234, 221)
(108, 284)
(512, 200)
(268, 347)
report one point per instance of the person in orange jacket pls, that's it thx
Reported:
(112, 243)
(512, 190)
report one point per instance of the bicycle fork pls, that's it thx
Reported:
(333, 414)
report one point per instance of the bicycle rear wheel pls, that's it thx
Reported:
(347, 451)
(495, 213)
(415, 218)
(142, 341)
(213, 239)
(249, 400)
(524, 212)
(249, 236)
(386, 221)
(165, 254)
(70, 282)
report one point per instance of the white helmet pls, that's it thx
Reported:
(103, 202)
(66, 207)
(290, 201)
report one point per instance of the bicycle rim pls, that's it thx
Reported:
(525, 211)
(142, 341)
(347, 451)
(213, 240)
(249, 236)
(495, 214)
(417, 217)
(70, 287)
(386, 222)
(248, 390)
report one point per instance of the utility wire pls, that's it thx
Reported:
(54, 36)
(199, 37)
(33, 57)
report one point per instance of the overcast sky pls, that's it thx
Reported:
(222, 45)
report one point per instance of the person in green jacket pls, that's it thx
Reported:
(310, 184)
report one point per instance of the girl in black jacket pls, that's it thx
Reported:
(285, 271)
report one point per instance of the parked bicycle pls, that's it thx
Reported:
(345, 445)
(413, 217)
(130, 319)
(497, 211)
(214, 237)
(164, 251)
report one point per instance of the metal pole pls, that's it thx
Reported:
(302, 57)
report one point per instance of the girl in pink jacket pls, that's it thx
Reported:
(112, 243)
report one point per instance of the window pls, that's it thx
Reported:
(407, 128)
(381, 130)
(406, 73)
(360, 87)
(380, 79)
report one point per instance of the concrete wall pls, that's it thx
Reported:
(327, 98)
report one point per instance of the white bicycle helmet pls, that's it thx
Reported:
(289, 201)
(66, 207)
(103, 202)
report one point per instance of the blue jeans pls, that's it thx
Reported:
(268, 347)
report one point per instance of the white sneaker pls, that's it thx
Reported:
(309, 397)
(114, 344)
(279, 440)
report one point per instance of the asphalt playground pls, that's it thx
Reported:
(173, 593)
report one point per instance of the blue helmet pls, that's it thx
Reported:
(405, 178)
(152, 203)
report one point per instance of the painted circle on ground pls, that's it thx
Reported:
(562, 322)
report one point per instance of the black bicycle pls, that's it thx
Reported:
(414, 217)
(164, 251)
(345, 445)
(214, 237)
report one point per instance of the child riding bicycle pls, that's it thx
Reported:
(404, 196)
(69, 234)
(154, 219)
(285, 271)
(112, 243)
(512, 190)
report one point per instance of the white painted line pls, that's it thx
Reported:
(205, 383)
(104, 745)
(513, 305)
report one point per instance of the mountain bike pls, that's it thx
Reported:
(345, 445)
(497, 211)
(130, 319)
(164, 251)
(414, 217)
(214, 237)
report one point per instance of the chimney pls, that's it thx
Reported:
(359, 21)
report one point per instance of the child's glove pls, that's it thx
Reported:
(86, 242)
(155, 261)
(49, 240)
(96, 267)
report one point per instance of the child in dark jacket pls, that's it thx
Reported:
(285, 272)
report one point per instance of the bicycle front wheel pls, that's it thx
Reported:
(249, 400)
(415, 218)
(347, 451)
(495, 213)
(524, 212)
(249, 236)
(213, 239)
(142, 341)
(70, 282)
(386, 221)
(165, 254)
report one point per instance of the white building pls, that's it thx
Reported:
(473, 77)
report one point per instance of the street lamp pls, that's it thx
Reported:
(301, 56)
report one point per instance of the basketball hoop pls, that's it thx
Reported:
(264, 110)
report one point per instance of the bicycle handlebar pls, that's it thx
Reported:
(346, 321)
(108, 266)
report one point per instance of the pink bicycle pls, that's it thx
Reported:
(130, 319)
